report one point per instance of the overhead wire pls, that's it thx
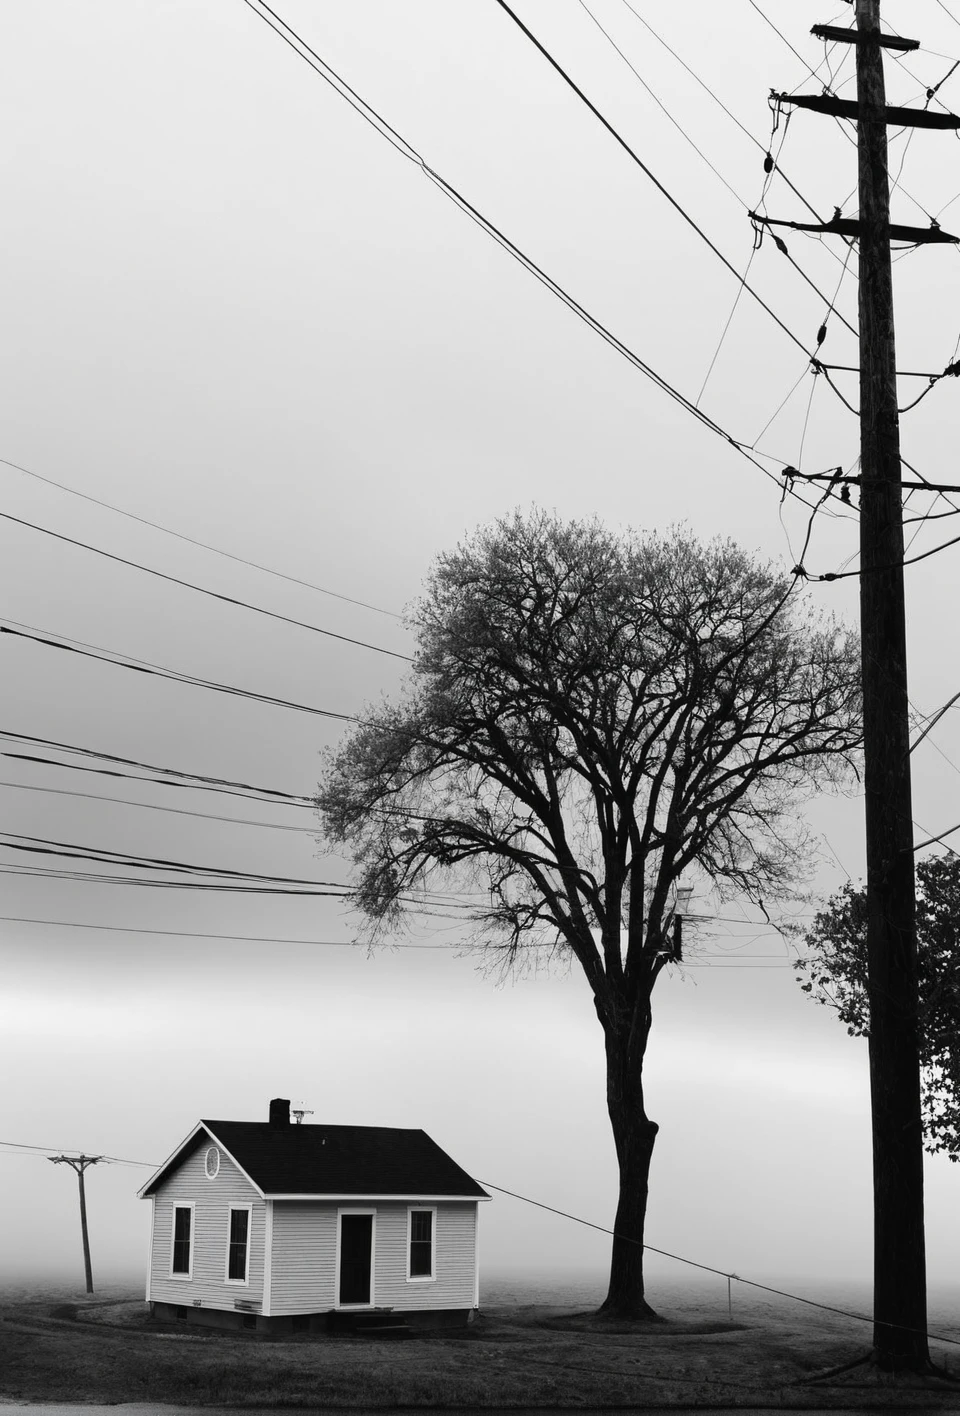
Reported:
(780, 35)
(176, 777)
(661, 105)
(370, 115)
(152, 806)
(682, 130)
(192, 540)
(199, 786)
(732, 116)
(230, 938)
(41, 845)
(707, 1268)
(907, 560)
(210, 887)
(949, 13)
(729, 321)
(635, 158)
(143, 667)
(200, 589)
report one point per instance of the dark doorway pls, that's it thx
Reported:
(356, 1245)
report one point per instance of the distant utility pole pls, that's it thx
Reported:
(79, 1163)
(900, 1316)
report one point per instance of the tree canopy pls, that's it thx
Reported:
(835, 975)
(588, 717)
(591, 718)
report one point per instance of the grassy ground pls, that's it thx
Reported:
(56, 1346)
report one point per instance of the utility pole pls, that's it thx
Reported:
(79, 1163)
(899, 1273)
(900, 1309)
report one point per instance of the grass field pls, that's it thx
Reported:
(57, 1345)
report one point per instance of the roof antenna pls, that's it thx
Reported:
(299, 1112)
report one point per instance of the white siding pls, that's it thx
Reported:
(212, 1200)
(305, 1252)
(453, 1260)
(304, 1257)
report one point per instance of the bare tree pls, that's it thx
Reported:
(588, 718)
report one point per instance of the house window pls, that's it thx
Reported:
(421, 1243)
(238, 1245)
(181, 1264)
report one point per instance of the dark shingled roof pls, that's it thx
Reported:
(340, 1160)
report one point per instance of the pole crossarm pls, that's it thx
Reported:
(848, 108)
(848, 36)
(792, 474)
(848, 226)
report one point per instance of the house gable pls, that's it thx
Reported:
(200, 1136)
(190, 1258)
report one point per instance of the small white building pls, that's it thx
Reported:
(270, 1225)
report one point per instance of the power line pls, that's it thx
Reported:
(113, 1159)
(949, 13)
(150, 806)
(370, 115)
(795, 52)
(42, 845)
(202, 590)
(88, 877)
(687, 138)
(706, 1268)
(660, 104)
(198, 786)
(99, 878)
(194, 934)
(194, 780)
(204, 545)
(732, 116)
(273, 939)
(144, 667)
(617, 136)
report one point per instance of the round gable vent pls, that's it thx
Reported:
(211, 1163)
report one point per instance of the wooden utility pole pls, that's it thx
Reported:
(899, 1276)
(79, 1163)
(900, 1306)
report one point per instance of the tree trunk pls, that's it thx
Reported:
(634, 1135)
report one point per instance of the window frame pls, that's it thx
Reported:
(430, 1277)
(245, 1281)
(177, 1274)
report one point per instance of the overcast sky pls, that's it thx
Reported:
(232, 309)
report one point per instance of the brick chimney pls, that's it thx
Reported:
(279, 1112)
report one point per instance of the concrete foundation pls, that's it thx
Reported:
(390, 1322)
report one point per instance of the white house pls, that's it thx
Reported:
(270, 1225)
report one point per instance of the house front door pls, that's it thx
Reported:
(356, 1248)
